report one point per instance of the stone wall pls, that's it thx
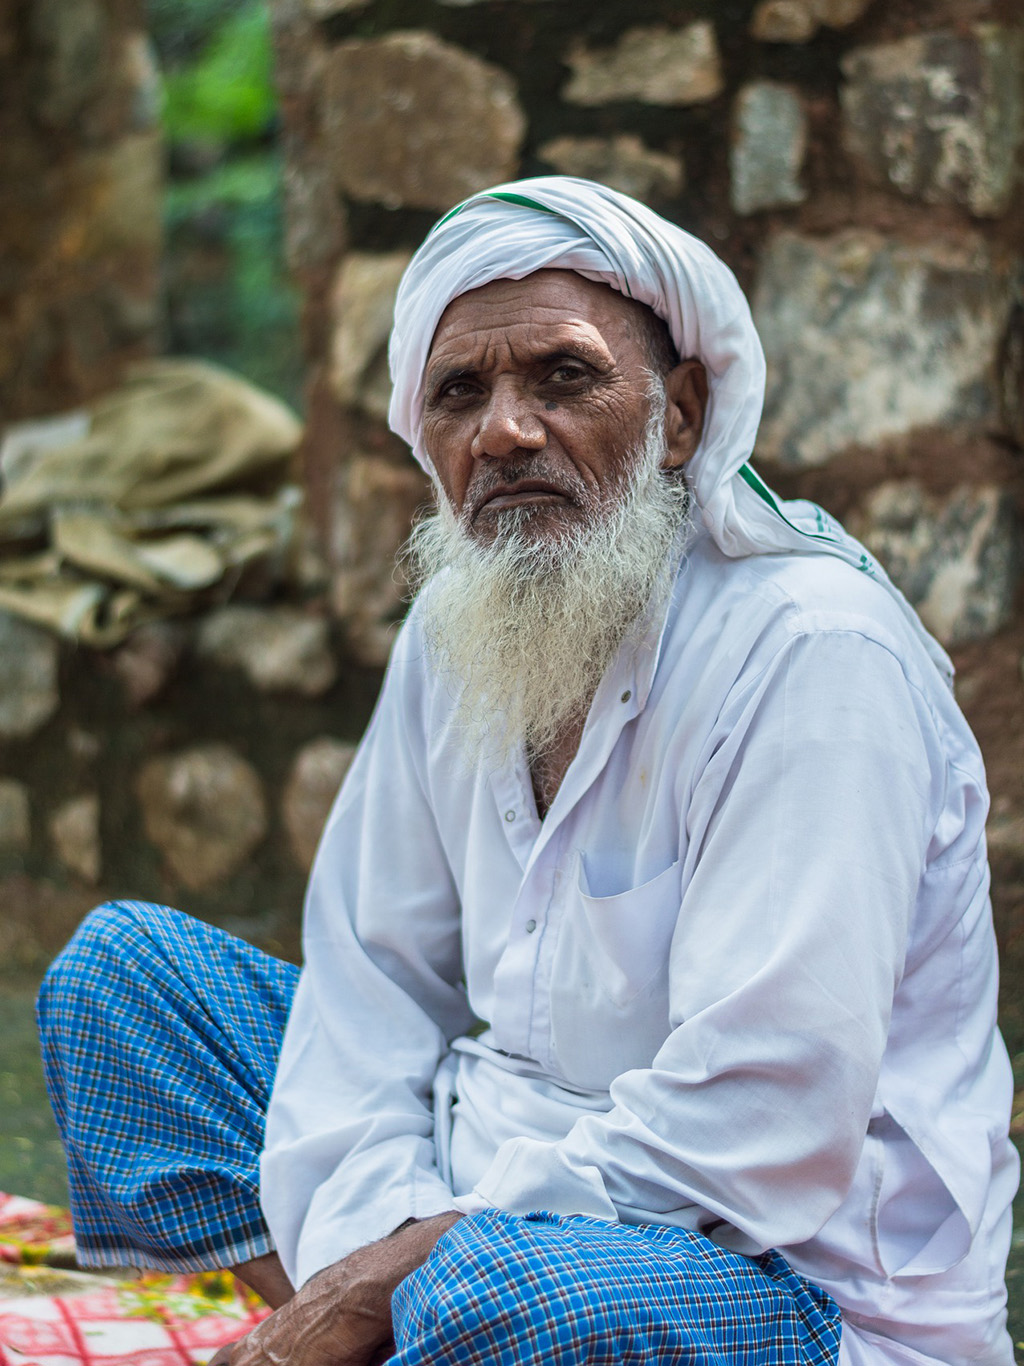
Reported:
(858, 166)
(80, 172)
(856, 163)
(194, 765)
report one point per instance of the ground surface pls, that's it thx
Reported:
(31, 1161)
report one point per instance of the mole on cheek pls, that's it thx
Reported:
(551, 407)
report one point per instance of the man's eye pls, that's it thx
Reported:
(456, 389)
(567, 374)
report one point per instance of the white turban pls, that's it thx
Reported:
(563, 223)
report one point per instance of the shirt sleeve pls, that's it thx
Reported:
(349, 1150)
(807, 826)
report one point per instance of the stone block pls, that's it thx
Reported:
(205, 811)
(299, 53)
(279, 649)
(623, 163)
(411, 121)
(315, 229)
(374, 508)
(784, 21)
(939, 116)
(657, 65)
(362, 311)
(119, 191)
(84, 746)
(309, 793)
(75, 835)
(28, 678)
(868, 338)
(797, 21)
(957, 557)
(769, 141)
(15, 817)
(147, 660)
(68, 39)
(840, 13)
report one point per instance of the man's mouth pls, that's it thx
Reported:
(521, 492)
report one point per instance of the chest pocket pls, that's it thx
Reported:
(632, 930)
(609, 992)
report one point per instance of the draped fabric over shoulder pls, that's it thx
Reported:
(561, 222)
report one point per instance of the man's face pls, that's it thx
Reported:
(537, 401)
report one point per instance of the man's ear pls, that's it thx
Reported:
(686, 395)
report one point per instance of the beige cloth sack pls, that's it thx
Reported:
(180, 482)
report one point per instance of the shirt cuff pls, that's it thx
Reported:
(473, 1203)
(330, 1241)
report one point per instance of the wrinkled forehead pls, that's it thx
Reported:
(544, 310)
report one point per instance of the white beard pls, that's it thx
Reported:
(524, 628)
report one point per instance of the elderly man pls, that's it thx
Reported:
(667, 785)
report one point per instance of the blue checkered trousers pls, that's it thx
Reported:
(160, 1042)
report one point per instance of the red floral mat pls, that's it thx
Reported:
(53, 1316)
(32, 1234)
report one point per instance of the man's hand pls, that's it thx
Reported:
(342, 1316)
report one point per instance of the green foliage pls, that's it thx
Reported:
(180, 29)
(228, 294)
(227, 94)
(249, 180)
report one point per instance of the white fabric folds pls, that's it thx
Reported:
(561, 222)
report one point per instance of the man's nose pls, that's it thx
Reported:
(509, 423)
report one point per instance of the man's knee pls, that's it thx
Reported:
(481, 1287)
(110, 937)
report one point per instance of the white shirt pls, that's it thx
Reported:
(741, 978)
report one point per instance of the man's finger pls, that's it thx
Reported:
(222, 1356)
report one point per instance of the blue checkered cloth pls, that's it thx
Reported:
(502, 1290)
(160, 1042)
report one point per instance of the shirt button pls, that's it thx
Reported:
(510, 816)
(626, 695)
(531, 925)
